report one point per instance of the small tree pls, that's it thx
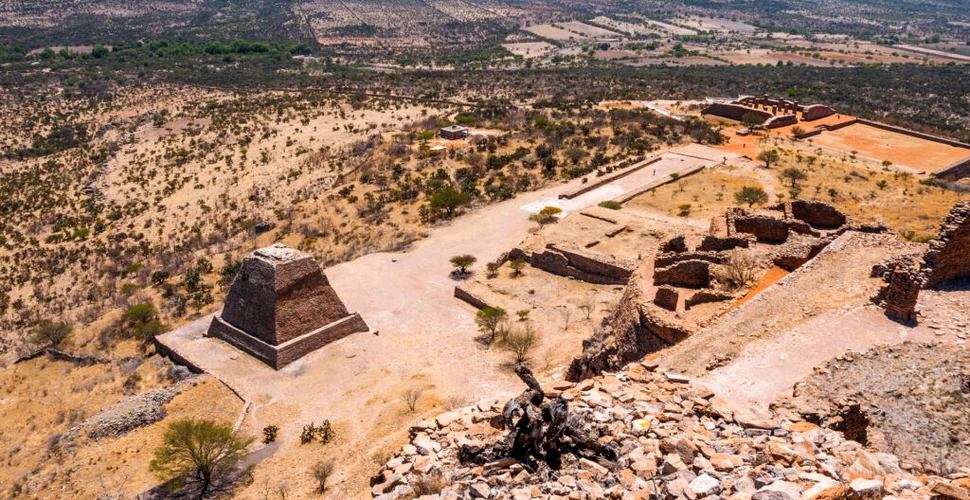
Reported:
(520, 343)
(489, 319)
(51, 334)
(793, 175)
(684, 209)
(517, 266)
(462, 262)
(588, 305)
(769, 156)
(546, 216)
(411, 397)
(270, 433)
(448, 199)
(198, 452)
(740, 269)
(321, 471)
(751, 195)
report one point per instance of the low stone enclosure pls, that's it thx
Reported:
(281, 307)
(564, 259)
(946, 259)
(774, 113)
(790, 234)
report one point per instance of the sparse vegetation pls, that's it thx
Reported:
(490, 321)
(321, 472)
(198, 453)
(751, 195)
(520, 342)
(50, 334)
(462, 263)
(269, 433)
(411, 397)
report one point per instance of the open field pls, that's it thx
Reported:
(885, 145)
(554, 33)
(529, 50)
(588, 31)
(626, 27)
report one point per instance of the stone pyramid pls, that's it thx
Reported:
(281, 307)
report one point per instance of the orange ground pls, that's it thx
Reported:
(770, 278)
(901, 149)
(748, 145)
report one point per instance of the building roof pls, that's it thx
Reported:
(454, 128)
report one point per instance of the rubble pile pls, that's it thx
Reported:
(673, 440)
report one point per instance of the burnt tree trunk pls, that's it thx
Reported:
(539, 432)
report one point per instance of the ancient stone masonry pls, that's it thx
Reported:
(688, 273)
(634, 330)
(774, 113)
(949, 254)
(816, 214)
(712, 243)
(948, 258)
(667, 298)
(774, 224)
(281, 307)
(591, 267)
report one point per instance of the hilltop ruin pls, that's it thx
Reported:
(281, 307)
(947, 259)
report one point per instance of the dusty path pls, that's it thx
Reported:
(767, 370)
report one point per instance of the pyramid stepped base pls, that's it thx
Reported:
(292, 350)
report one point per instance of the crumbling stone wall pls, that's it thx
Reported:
(949, 254)
(817, 213)
(706, 297)
(670, 259)
(667, 298)
(763, 226)
(948, 258)
(677, 244)
(634, 330)
(583, 265)
(776, 223)
(713, 243)
(692, 273)
(799, 251)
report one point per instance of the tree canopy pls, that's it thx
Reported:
(198, 452)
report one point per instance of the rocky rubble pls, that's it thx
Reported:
(129, 413)
(676, 440)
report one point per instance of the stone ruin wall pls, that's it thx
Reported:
(586, 266)
(632, 332)
(689, 273)
(667, 298)
(948, 258)
(734, 111)
(712, 243)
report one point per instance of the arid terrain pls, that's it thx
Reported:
(724, 248)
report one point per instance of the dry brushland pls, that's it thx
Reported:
(247, 230)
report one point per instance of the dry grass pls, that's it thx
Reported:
(709, 193)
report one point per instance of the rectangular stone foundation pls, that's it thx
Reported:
(292, 350)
